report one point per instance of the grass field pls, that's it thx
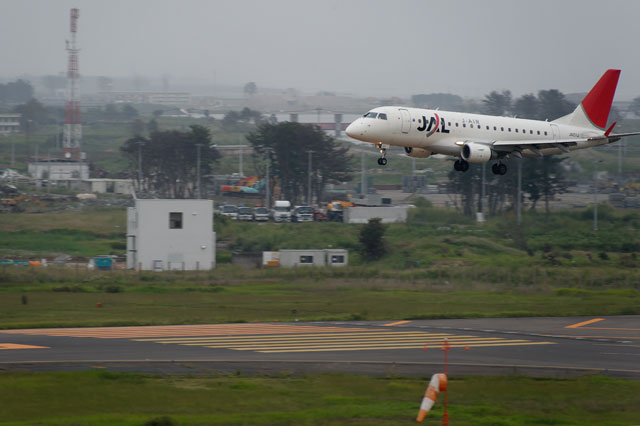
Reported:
(233, 295)
(97, 398)
(431, 271)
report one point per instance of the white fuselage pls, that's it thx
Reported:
(445, 132)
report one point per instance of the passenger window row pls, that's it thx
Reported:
(495, 128)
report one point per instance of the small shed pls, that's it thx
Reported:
(320, 257)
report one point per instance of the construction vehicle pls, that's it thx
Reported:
(17, 203)
(335, 210)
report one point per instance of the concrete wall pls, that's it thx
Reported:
(393, 214)
(153, 245)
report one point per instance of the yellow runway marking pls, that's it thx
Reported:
(182, 330)
(309, 336)
(391, 324)
(580, 324)
(400, 347)
(366, 340)
(17, 346)
(373, 345)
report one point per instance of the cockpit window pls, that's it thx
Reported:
(382, 116)
(371, 115)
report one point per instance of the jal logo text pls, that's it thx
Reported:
(435, 124)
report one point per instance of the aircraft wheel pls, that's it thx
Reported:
(502, 169)
(494, 169)
(464, 166)
(457, 166)
(382, 161)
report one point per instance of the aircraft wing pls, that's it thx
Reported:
(562, 144)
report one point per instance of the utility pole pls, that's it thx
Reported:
(140, 143)
(595, 200)
(13, 151)
(309, 178)
(482, 191)
(198, 146)
(363, 184)
(268, 200)
(519, 200)
(49, 171)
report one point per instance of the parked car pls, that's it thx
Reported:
(302, 214)
(320, 215)
(261, 214)
(245, 213)
(230, 211)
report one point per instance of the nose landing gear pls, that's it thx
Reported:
(382, 161)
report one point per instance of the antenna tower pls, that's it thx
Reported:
(72, 120)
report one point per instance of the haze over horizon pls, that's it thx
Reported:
(366, 48)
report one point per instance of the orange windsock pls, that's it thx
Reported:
(438, 383)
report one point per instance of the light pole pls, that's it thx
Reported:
(363, 185)
(482, 191)
(268, 200)
(140, 143)
(309, 178)
(519, 200)
(595, 197)
(198, 146)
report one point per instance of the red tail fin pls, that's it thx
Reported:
(597, 103)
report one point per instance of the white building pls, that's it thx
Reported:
(9, 123)
(171, 235)
(59, 170)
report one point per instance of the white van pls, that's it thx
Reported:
(282, 211)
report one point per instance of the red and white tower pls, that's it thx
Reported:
(72, 120)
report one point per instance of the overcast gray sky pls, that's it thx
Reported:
(372, 47)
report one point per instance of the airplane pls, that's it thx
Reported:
(475, 138)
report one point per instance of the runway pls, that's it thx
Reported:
(556, 347)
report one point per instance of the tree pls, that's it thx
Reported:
(169, 160)
(287, 144)
(527, 106)
(230, 119)
(33, 111)
(371, 237)
(497, 103)
(16, 92)
(553, 104)
(250, 89)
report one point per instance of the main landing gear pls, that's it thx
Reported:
(461, 165)
(382, 161)
(499, 169)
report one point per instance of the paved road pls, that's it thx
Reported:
(556, 347)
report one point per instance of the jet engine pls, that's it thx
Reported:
(416, 152)
(474, 152)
